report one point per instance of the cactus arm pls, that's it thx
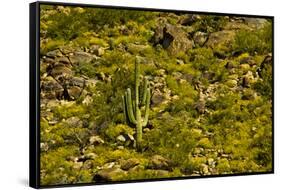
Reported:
(139, 129)
(138, 113)
(144, 92)
(124, 109)
(129, 106)
(134, 106)
(144, 123)
(137, 82)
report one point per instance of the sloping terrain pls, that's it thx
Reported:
(211, 103)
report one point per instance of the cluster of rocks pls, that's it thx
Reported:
(209, 160)
(58, 80)
(183, 36)
(111, 171)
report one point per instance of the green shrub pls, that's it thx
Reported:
(259, 41)
(171, 138)
(211, 23)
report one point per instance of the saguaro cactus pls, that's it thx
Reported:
(132, 109)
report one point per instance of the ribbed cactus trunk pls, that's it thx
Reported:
(132, 112)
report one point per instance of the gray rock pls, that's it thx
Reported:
(61, 71)
(198, 150)
(172, 38)
(90, 156)
(96, 140)
(229, 65)
(221, 38)
(110, 174)
(146, 130)
(74, 92)
(200, 38)
(51, 89)
(248, 60)
(109, 165)
(159, 162)
(44, 147)
(77, 165)
(137, 48)
(87, 165)
(160, 173)
(63, 60)
(231, 83)
(120, 147)
(77, 81)
(74, 122)
(204, 169)
(97, 50)
(189, 19)
(130, 163)
(81, 57)
(200, 106)
(246, 82)
(121, 138)
(54, 53)
(157, 97)
(210, 161)
(255, 22)
(180, 62)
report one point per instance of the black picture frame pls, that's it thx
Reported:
(34, 92)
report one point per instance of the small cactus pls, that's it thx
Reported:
(132, 109)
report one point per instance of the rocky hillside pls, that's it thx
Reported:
(211, 102)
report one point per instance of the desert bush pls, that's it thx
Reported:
(258, 41)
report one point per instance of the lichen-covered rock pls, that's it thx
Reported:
(74, 122)
(81, 57)
(172, 38)
(130, 163)
(111, 174)
(96, 140)
(50, 88)
(200, 38)
(157, 97)
(159, 162)
(221, 40)
(74, 92)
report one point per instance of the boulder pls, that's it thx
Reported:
(60, 71)
(50, 88)
(231, 83)
(157, 97)
(63, 60)
(74, 92)
(204, 169)
(81, 57)
(200, 106)
(87, 165)
(266, 66)
(130, 163)
(189, 19)
(255, 22)
(159, 162)
(97, 50)
(200, 38)
(110, 174)
(137, 48)
(96, 140)
(221, 40)
(74, 122)
(121, 138)
(54, 53)
(248, 60)
(77, 81)
(172, 38)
